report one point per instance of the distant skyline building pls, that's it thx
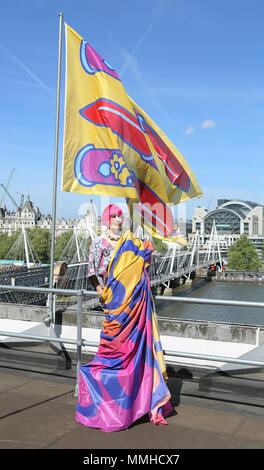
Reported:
(29, 216)
(232, 218)
(26, 216)
(88, 224)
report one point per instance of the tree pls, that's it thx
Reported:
(39, 239)
(159, 245)
(61, 243)
(6, 243)
(242, 256)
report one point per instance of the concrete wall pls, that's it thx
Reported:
(22, 312)
(212, 331)
(171, 327)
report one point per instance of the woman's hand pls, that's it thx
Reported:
(99, 290)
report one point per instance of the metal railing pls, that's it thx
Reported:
(197, 300)
(80, 294)
(80, 342)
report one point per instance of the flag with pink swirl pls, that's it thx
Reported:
(111, 146)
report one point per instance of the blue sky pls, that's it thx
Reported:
(196, 66)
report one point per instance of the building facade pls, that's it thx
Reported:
(232, 219)
(29, 217)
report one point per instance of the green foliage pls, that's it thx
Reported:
(242, 256)
(6, 242)
(159, 245)
(61, 243)
(40, 241)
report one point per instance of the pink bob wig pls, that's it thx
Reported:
(111, 211)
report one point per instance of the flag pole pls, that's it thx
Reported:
(55, 168)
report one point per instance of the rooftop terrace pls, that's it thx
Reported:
(37, 411)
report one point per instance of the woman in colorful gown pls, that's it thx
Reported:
(127, 378)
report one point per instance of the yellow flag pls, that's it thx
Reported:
(111, 146)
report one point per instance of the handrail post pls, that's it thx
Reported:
(79, 337)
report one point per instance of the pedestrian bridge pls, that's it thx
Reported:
(169, 269)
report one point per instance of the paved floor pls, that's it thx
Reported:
(37, 412)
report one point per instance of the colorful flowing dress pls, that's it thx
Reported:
(127, 378)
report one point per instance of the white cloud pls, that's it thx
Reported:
(189, 130)
(208, 124)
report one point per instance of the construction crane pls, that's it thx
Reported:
(6, 187)
(22, 199)
(9, 195)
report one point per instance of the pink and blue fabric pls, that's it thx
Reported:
(127, 378)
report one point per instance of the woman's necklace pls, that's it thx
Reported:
(113, 236)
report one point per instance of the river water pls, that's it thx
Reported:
(247, 291)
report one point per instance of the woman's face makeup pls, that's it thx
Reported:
(116, 221)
